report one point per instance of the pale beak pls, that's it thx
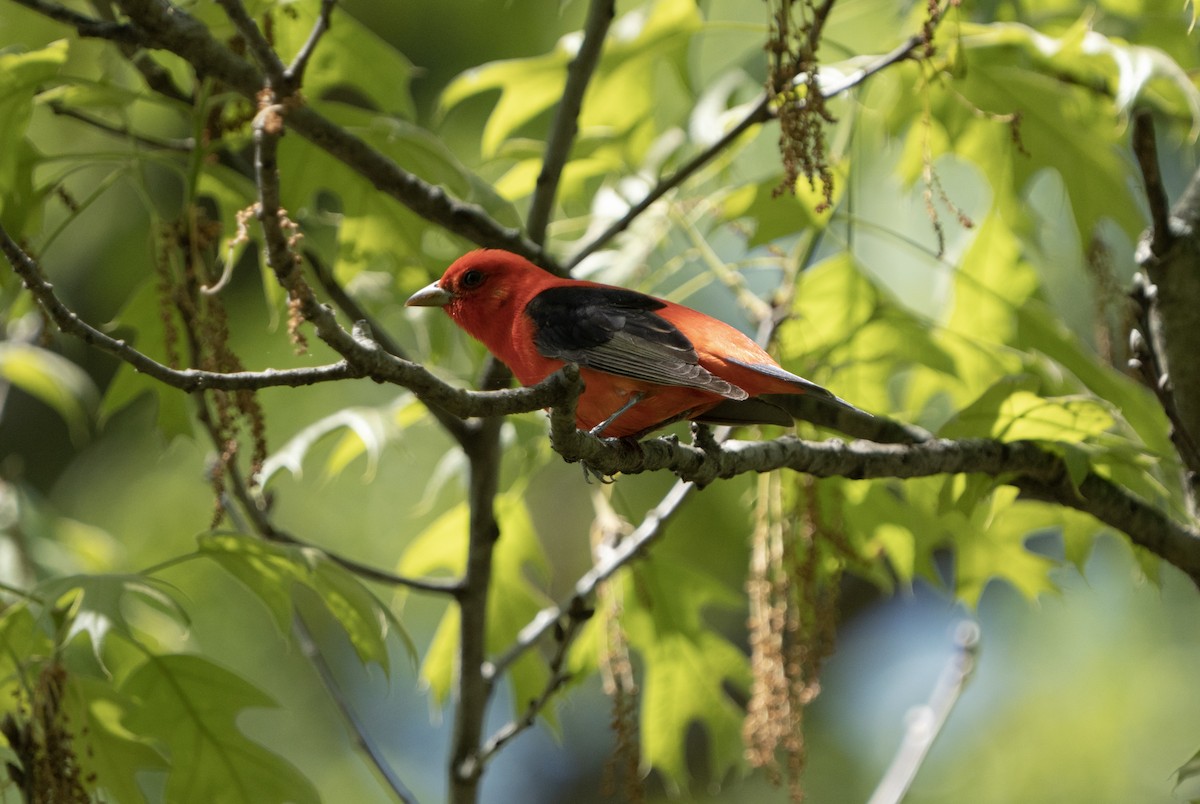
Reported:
(431, 296)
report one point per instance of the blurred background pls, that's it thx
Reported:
(1085, 694)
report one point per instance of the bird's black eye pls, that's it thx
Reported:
(472, 279)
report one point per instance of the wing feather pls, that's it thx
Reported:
(618, 332)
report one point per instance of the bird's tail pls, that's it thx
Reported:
(821, 409)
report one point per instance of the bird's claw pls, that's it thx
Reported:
(590, 471)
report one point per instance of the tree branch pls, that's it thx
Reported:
(358, 729)
(365, 358)
(1025, 464)
(294, 73)
(1145, 148)
(653, 525)
(350, 307)
(925, 723)
(566, 116)
(83, 24)
(558, 677)
(268, 60)
(1168, 292)
(483, 453)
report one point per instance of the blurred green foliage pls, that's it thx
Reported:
(185, 679)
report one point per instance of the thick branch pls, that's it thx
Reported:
(483, 454)
(1170, 300)
(1036, 472)
(83, 24)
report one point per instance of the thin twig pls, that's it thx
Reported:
(366, 359)
(263, 52)
(651, 528)
(184, 379)
(294, 74)
(362, 737)
(566, 117)
(356, 312)
(186, 145)
(925, 722)
(558, 677)
(1145, 148)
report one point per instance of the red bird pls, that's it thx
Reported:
(645, 362)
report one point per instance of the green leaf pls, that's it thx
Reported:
(349, 54)
(512, 599)
(142, 314)
(111, 754)
(369, 431)
(687, 667)
(625, 91)
(192, 705)
(21, 75)
(98, 604)
(1010, 411)
(376, 232)
(834, 299)
(900, 521)
(1010, 69)
(21, 641)
(1039, 330)
(271, 572)
(1187, 779)
(775, 216)
(992, 545)
(53, 379)
(528, 88)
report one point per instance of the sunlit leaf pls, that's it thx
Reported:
(622, 92)
(369, 427)
(1010, 411)
(97, 604)
(21, 74)
(512, 600)
(993, 546)
(110, 752)
(348, 51)
(687, 667)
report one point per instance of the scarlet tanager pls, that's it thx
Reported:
(645, 362)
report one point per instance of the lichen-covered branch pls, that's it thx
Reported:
(1037, 472)
(1168, 292)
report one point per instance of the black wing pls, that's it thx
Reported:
(618, 332)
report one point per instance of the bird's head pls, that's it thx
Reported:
(482, 286)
